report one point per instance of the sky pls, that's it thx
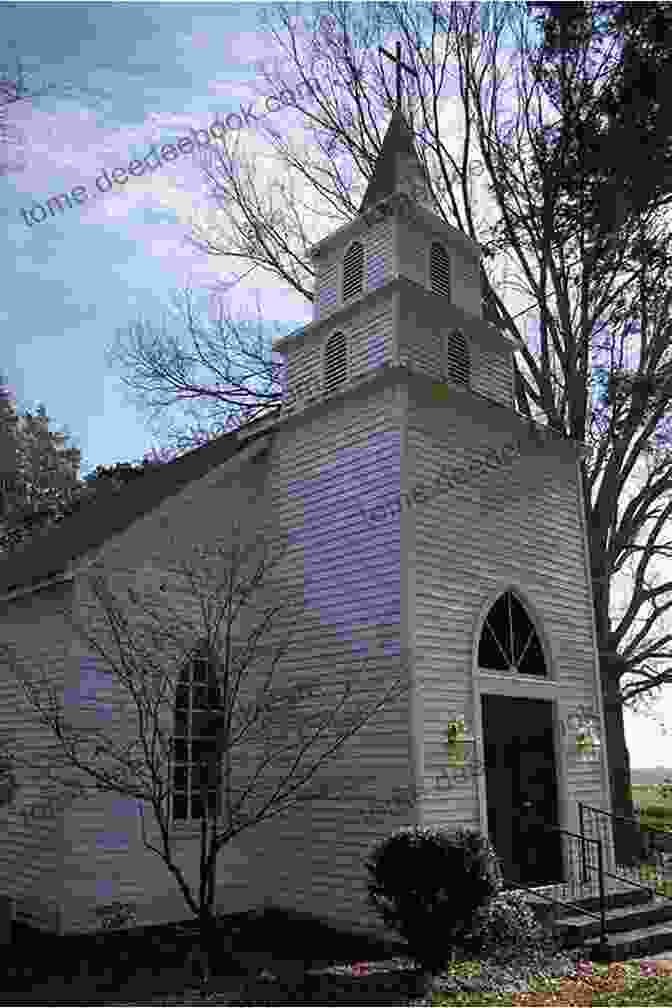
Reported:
(125, 77)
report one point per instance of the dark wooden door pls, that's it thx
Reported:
(521, 787)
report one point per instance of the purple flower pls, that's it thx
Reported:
(647, 968)
(359, 969)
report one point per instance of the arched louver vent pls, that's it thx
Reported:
(353, 271)
(439, 270)
(457, 358)
(335, 362)
(509, 641)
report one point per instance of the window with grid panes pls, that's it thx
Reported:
(353, 271)
(439, 270)
(196, 763)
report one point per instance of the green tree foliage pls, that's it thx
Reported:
(39, 481)
(39, 473)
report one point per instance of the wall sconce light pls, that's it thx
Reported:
(584, 735)
(456, 742)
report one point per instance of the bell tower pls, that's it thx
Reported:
(399, 251)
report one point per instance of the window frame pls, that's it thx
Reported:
(536, 633)
(188, 736)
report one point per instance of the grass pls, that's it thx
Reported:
(656, 811)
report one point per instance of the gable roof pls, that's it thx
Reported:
(397, 150)
(54, 551)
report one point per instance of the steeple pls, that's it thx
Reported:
(398, 168)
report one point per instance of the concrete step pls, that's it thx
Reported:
(587, 897)
(576, 929)
(630, 944)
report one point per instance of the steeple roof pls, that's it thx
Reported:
(398, 164)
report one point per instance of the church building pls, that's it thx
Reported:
(433, 532)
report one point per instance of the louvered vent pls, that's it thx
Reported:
(439, 270)
(353, 271)
(457, 358)
(335, 362)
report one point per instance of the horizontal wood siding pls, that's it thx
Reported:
(468, 285)
(378, 267)
(413, 246)
(323, 478)
(424, 322)
(518, 525)
(309, 490)
(106, 857)
(326, 285)
(379, 254)
(31, 844)
(370, 345)
(493, 374)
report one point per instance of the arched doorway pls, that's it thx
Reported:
(518, 747)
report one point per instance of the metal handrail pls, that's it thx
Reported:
(613, 815)
(600, 872)
(628, 819)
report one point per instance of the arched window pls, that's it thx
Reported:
(335, 361)
(439, 270)
(509, 641)
(457, 357)
(353, 271)
(196, 768)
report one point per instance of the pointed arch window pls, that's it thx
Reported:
(458, 364)
(439, 270)
(353, 271)
(196, 758)
(509, 641)
(335, 362)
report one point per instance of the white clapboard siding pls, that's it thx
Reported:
(378, 267)
(349, 573)
(492, 374)
(423, 327)
(379, 254)
(412, 252)
(468, 287)
(326, 286)
(31, 844)
(527, 535)
(304, 493)
(369, 336)
(106, 859)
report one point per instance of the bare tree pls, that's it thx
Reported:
(19, 85)
(266, 732)
(227, 374)
(531, 131)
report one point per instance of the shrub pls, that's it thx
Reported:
(507, 928)
(427, 885)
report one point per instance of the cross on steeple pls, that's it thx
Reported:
(400, 66)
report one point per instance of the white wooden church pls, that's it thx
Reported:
(432, 529)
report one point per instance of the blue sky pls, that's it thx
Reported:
(141, 74)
